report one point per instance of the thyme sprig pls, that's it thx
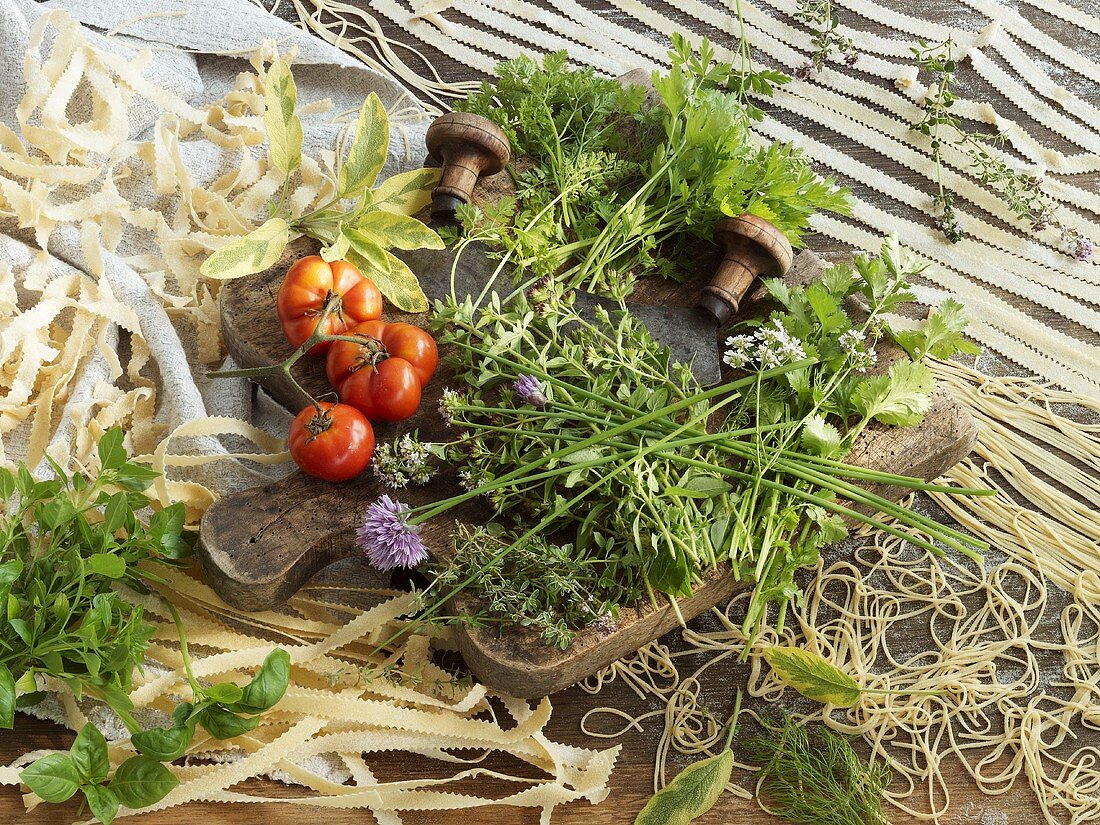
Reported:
(822, 19)
(1021, 192)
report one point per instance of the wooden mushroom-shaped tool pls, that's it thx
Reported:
(468, 146)
(753, 248)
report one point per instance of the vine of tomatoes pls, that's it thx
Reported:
(377, 369)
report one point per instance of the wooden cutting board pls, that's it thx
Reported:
(259, 546)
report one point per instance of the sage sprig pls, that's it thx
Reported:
(361, 222)
(697, 788)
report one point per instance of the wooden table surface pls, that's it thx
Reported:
(632, 781)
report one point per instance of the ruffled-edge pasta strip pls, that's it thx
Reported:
(58, 172)
(356, 723)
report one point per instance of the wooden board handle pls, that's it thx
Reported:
(468, 146)
(754, 248)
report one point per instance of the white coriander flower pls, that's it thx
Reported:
(740, 350)
(777, 346)
(855, 347)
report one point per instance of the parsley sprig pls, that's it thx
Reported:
(612, 188)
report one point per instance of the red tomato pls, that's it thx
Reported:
(387, 392)
(306, 287)
(333, 444)
(390, 341)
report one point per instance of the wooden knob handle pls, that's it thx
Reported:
(468, 146)
(753, 248)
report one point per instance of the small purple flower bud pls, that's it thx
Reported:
(804, 72)
(529, 389)
(1084, 249)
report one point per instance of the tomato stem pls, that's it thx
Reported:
(331, 305)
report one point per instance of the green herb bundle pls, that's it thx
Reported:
(583, 427)
(614, 189)
(67, 544)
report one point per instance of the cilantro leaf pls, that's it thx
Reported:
(941, 335)
(901, 397)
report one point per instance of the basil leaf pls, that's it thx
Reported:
(136, 477)
(269, 685)
(102, 802)
(53, 777)
(691, 794)
(164, 744)
(225, 693)
(9, 572)
(141, 781)
(106, 564)
(89, 754)
(224, 724)
(166, 527)
(7, 483)
(812, 676)
(112, 454)
(7, 697)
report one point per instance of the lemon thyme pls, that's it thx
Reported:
(1021, 192)
(821, 17)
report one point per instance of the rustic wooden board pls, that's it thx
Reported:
(259, 546)
(632, 780)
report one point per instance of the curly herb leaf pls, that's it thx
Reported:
(941, 335)
(901, 397)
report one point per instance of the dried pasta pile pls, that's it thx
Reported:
(1011, 649)
(70, 180)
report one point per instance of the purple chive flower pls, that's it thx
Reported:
(530, 390)
(387, 538)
